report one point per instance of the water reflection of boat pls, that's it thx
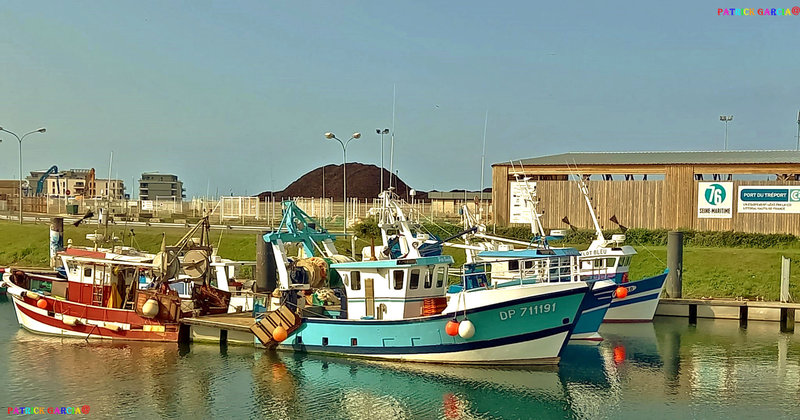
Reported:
(376, 389)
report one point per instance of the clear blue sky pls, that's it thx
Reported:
(238, 94)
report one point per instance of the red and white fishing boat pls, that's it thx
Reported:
(102, 296)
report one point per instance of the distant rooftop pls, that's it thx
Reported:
(662, 158)
(157, 173)
(458, 195)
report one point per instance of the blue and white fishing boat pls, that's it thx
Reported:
(523, 268)
(610, 260)
(394, 307)
(494, 261)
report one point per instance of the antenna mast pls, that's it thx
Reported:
(483, 162)
(585, 191)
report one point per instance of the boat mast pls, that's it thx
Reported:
(585, 191)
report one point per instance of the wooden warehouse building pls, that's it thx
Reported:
(746, 191)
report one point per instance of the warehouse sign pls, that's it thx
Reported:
(714, 200)
(521, 193)
(769, 199)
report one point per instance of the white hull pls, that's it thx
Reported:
(35, 326)
(477, 298)
(634, 312)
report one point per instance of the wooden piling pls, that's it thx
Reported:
(787, 319)
(674, 287)
(743, 316)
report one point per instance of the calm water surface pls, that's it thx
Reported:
(663, 370)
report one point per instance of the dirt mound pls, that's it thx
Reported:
(363, 181)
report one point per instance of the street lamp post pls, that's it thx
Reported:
(330, 136)
(381, 132)
(726, 120)
(19, 139)
(798, 130)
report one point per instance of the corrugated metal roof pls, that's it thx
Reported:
(664, 158)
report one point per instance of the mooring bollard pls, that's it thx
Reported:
(675, 264)
(56, 239)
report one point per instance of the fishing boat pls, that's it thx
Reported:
(394, 307)
(606, 259)
(102, 295)
(497, 262)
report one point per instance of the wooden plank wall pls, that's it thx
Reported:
(500, 194)
(635, 203)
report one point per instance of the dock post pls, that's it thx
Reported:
(675, 264)
(785, 264)
(261, 263)
(56, 239)
(787, 319)
(743, 315)
(787, 314)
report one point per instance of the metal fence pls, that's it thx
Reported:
(231, 210)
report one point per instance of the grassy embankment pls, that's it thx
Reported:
(749, 272)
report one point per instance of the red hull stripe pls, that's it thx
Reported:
(122, 316)
(138, 335)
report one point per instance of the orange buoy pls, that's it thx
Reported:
(621, 292)
(451, 328)
(41, 303)
(279, 333)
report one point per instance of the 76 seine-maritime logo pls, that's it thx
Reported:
(715, 194)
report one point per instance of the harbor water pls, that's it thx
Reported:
(661, 370)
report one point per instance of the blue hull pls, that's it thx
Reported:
(593, 310)
(528, 330)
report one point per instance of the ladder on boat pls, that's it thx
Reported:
(97, 287)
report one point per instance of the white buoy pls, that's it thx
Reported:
(150, 308)
(466, 329)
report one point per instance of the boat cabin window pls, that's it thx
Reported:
(87, 272)
(513, 265)
(346, 280)
(440, 277)
(624, 261)
(428, 279)
(528, 264)
(356, 280)
(611, 262)
(413, 282)
(398, 279)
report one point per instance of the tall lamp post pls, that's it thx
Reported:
(330, 136)
(726, 120)
(19, 139)
(381, 132)
(798, 131)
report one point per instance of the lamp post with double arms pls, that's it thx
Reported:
(19, 139)
(331, 136)
(726, 120)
